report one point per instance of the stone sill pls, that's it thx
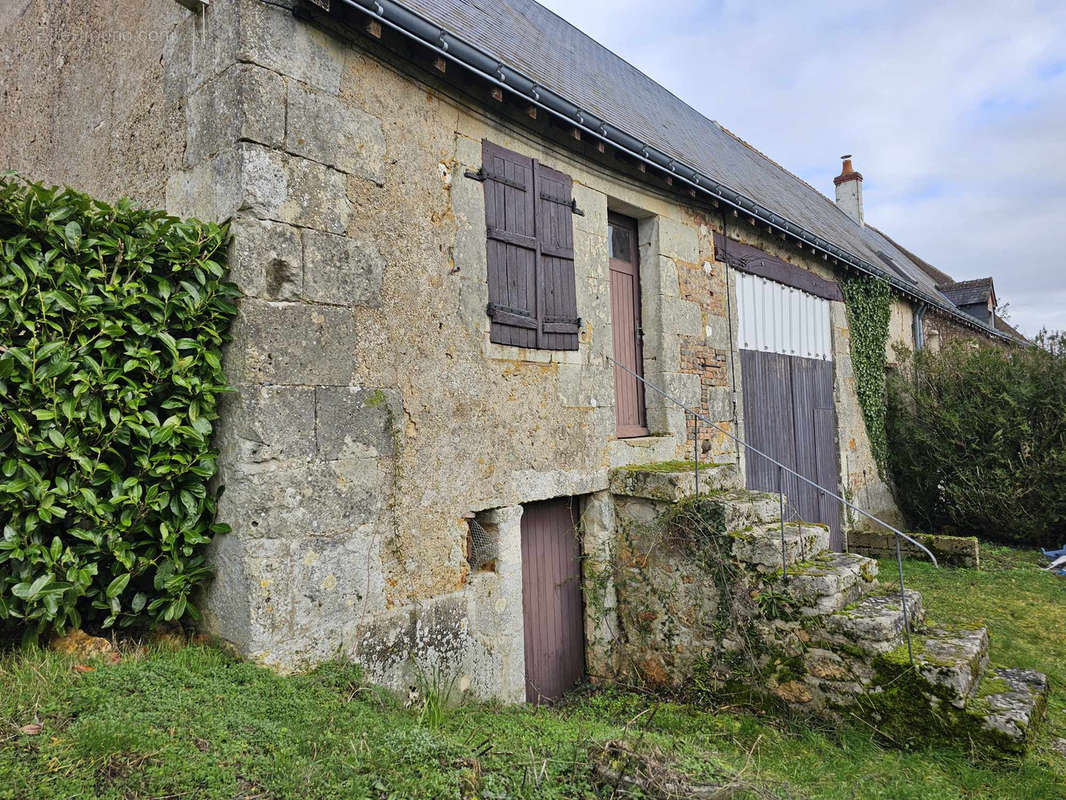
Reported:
(504, 352)
(642, 450)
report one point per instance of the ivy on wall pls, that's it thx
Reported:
(112, 320)
(869, 304)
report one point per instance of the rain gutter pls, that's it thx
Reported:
(444, 43)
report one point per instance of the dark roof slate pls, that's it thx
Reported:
(528, 37)
(1005, 327)
(967, 293)
(938, 277)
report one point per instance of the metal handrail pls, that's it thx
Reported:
(784, 468)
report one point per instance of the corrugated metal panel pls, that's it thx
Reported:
(774, 318)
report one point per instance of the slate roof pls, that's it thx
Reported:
(528, 37)
(939, 277)
(1005, 327)
(967, 293)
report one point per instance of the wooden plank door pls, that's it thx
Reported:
(789, 415)
(551, 600)
(630, 413)
(786, 352)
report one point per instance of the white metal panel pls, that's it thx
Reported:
(776, 318)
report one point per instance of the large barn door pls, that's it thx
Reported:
(787, 369)
(551, 600)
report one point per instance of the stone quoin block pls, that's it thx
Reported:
(266, 427)
(321, 127)
(266, 259)
(682, 316)
(334, 579)
(668, 284)
(291, 189)
(340, 270)
(684, 388)
(311, 499)
(677, 240)
(211, 190)
(248, 601)
(291, 343)
(254, 98)
(355, 423)
(272, 37)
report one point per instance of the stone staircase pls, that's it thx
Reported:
(839, 630)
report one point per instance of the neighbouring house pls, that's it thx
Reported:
(448, 217)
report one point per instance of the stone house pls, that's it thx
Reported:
(448, 217)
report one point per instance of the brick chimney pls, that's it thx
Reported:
(849, 190)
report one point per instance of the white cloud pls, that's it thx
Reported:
(956, 114)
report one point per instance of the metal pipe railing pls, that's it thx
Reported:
(782, 468)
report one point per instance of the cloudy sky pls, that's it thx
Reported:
(955, 112)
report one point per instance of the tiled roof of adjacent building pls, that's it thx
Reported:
(529, 38)
(966, 293)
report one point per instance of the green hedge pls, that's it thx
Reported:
(112, 321)
(977, 442)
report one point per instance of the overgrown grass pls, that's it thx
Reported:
(198, 724)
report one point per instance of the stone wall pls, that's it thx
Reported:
(954, 551)
(941, 331)
(372, 411)
(87, 95)
(372, 414)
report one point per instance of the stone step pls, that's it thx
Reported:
(744, 507)
(759, 546)
(952, 662)
(829, 583)
(875, 624)
(1008, 707)
(672, 480)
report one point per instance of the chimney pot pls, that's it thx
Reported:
(849, 190)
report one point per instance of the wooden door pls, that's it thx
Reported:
(786, 360)
(789, 415)
(551, 600)
(630, 414)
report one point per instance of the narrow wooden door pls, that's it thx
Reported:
(630, 414)
(551, 600)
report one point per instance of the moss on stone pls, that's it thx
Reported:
(375, 399)
(670, 466)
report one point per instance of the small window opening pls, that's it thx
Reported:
(482, 542)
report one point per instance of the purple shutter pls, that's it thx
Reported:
(555, 235)
(512, 246)
(530, 249)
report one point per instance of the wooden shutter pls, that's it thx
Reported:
(512, 246)
(530, 250)
(555, 236)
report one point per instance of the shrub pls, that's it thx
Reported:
(977, 441)
(111, 322)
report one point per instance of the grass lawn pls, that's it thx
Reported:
(194, 723)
